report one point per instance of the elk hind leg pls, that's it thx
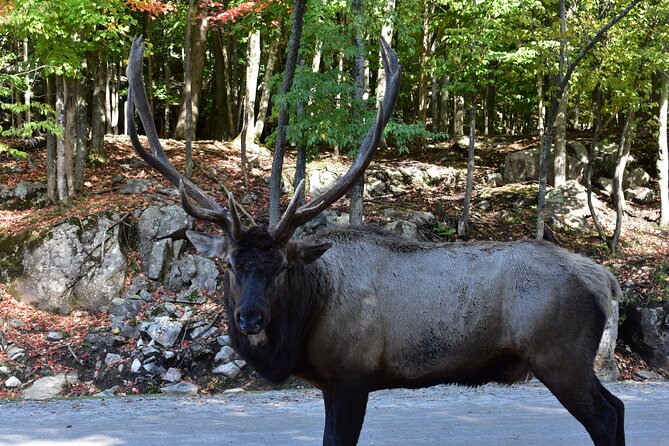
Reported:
(579, 391)
(620, 412)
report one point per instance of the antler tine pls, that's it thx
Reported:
(294, 218)
(209, 209)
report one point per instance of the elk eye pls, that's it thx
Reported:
(284, 267)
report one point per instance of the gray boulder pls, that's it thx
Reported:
(76, 266)
(567, 205)
(156, 229)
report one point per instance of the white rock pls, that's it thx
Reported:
(135, 366)
(12, 381)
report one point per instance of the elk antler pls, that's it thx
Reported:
(294, 217)
(207, 208)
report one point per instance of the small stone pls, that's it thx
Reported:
(172, 375)
(234, 390)
(14, 352)
(223, 340)
(54, 336)
(135, 366)
(202, 332)
(180, 388)
(231, 370)
(112, 359)
(225, 354)
(12, 381)
(169, 354)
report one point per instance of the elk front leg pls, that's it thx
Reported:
(345, 406)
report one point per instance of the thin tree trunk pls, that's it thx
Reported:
(188, 92)
(223, 88)
(251, 89)
(61, 178)
(424, 73)
(108, 113)
(597, 110)
(301, 157)
(463, 224)
(280, 145)
(28, 93)
(263, 106)
(663, 158)
(168, 115)
(81, 137)
(98, 121)
(230, 83)
(198, 45)
(491, 100)
(618, 193)
(51, 182)
(356, 208)
(560, 163)
(541, 110)
(458, 116)
(442, 120)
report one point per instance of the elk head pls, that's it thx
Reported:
(257, 258)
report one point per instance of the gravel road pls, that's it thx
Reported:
(524, 414)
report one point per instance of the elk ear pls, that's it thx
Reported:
(307, 253)
(208, 245)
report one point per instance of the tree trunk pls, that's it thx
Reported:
(115, 86)
(560, 164)
(442, 119)
(61, 152)
(251, 89)
(108, 71)
(188, 92)
(463, 223)
(541, 110)
(663, 157)
(51, 182)
(223, 88)
(98, 121)
(356, 193)
(167, 113)
(597, 112)
(424, 72)
(458, 116)
(618, 193)
(81, 137)
(263, 106)
(280, 144)
(491, 100)
(387, 30)
(28, 93)
(198, 46)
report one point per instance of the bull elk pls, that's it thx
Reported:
(353, 310)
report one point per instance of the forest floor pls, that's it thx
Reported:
(641, 263)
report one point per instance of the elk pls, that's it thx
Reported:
(355, 309)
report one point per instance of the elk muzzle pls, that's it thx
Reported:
(251, 321)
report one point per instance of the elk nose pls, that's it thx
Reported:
(250, 321)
